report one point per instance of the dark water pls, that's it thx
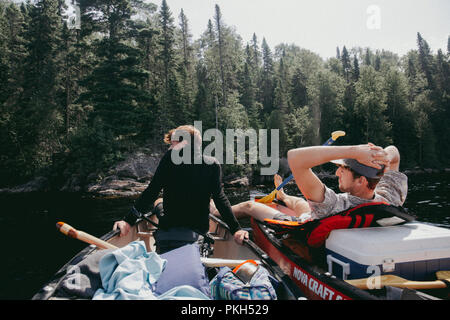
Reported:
(33, 250)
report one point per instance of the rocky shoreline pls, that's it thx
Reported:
(130, 177)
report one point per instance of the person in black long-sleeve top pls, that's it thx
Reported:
(187, 191)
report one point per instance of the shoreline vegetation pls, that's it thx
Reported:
(130, 177)
(85, 110)
(129, 188)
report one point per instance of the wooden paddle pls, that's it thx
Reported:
(83, 236)
(219, 262)
(443, 275)
(269, 198)
(395, 281)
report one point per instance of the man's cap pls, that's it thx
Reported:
(361, 169)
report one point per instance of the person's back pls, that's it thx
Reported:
(188, 189)
(188, 186)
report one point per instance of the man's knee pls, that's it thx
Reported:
(242, 209)
(248, 205)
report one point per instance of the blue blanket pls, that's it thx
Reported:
(131, 273)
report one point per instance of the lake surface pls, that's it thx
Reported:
(33, 250)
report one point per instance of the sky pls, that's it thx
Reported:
(322, 25)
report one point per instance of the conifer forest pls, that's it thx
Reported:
(77, 100)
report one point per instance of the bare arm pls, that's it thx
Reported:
(301, 161)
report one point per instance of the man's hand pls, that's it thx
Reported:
(393, 156)
(372, 155)
(123, 226)
(240, 235)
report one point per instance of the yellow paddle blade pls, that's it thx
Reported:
(269, 198)
(337, 134)
(443, 275)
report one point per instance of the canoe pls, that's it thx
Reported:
(222, 252)
(314, 270)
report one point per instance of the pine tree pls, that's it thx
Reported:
(186, 69)
(14, 51)
(70, 74)
(4, 67)
(146, 34)
(281, 91)
(441, 97)
(377, 64)
(443, 74)
(448, 46)
(425, 146)
(39, 116)
(256, 64)
(171, 111)
(426, 60)
(346, 65)
(247, 87)
(210, 80)
(204, 102)
(367, 57)
(280, 105)
(115, 86)
(299, 96)
(299, 128)
(267, 78)
(355, 70)
(167, 40)
(256, 55)
(220, 38)
(325, 95)
(370, 104)
(399, 114)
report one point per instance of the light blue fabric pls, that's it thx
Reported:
(130, 273)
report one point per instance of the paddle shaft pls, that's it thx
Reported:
(83, 236)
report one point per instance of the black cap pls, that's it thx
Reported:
(359, 168)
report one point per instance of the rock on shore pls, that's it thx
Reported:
(130, 177)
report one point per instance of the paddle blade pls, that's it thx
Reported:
(337, 134)
(443, 275)
(394, 281)
(269, 198)
(376, 282)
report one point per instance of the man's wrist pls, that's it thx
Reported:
(353, 151)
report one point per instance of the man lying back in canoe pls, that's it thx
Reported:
(367, 173)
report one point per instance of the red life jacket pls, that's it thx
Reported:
(315, 232)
